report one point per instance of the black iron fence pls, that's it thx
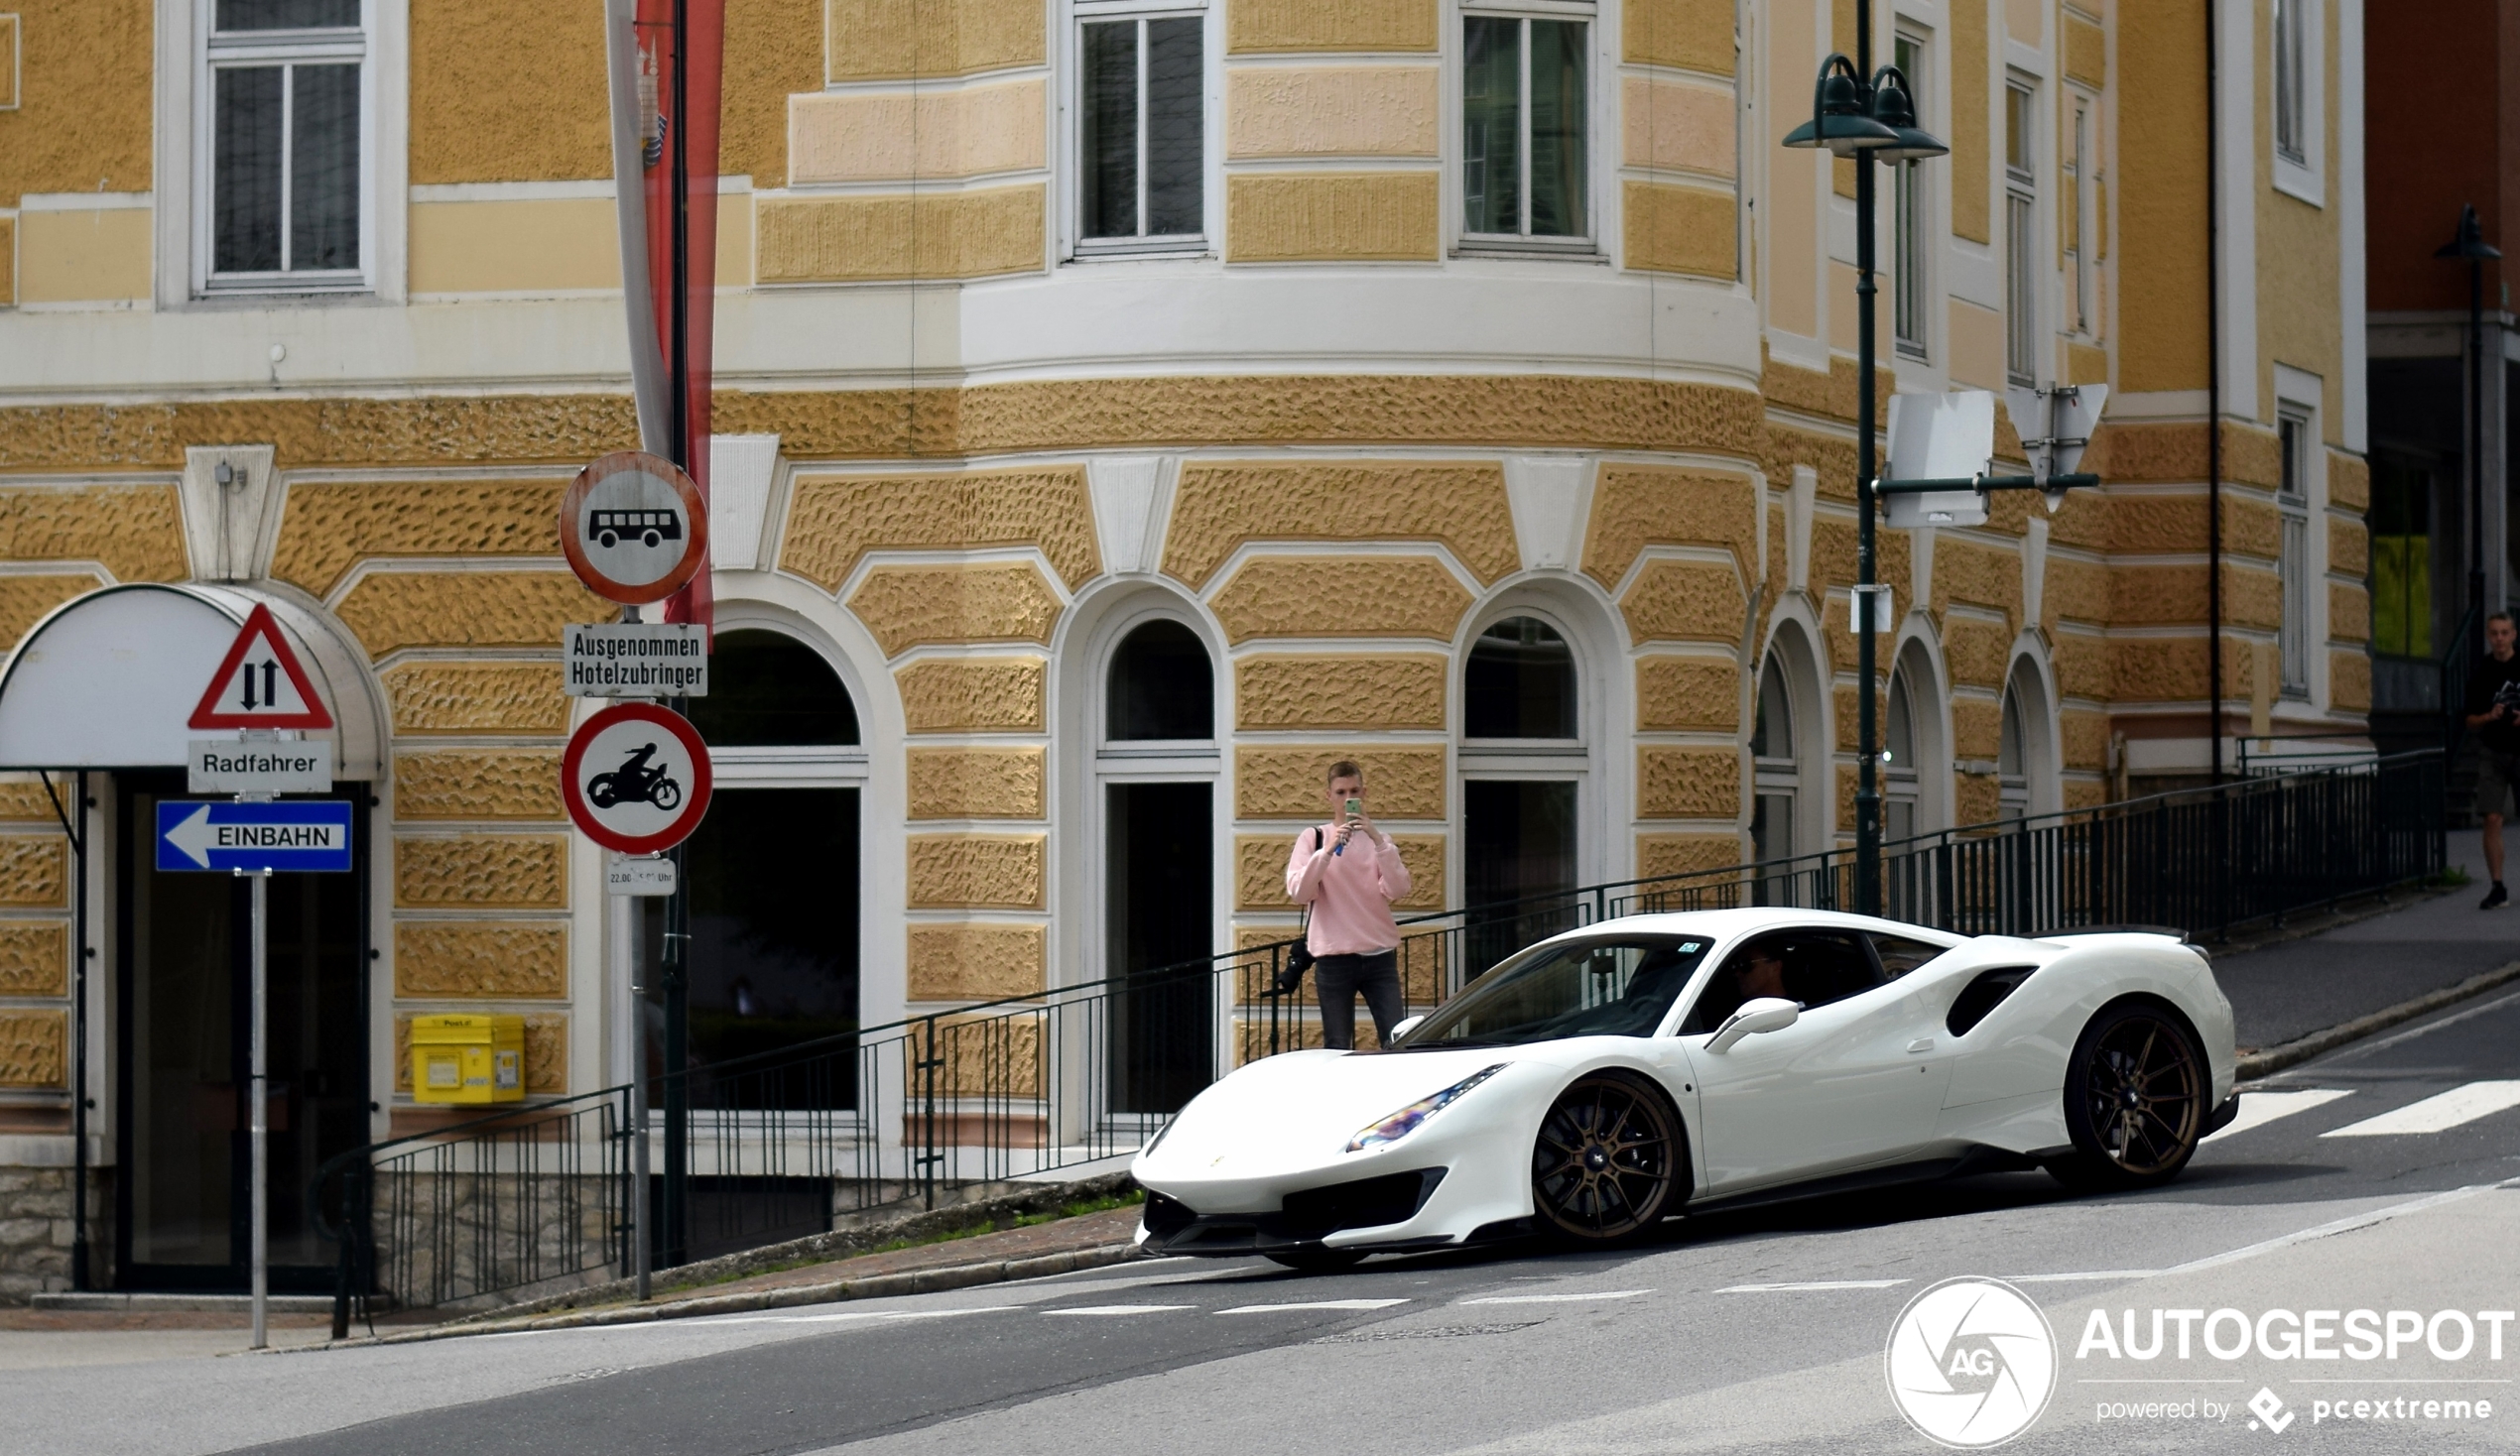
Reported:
(784, 1144)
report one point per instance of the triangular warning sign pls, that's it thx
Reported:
(259, 684)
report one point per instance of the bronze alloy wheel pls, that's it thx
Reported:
(1605, 1160)
(2135, 1097)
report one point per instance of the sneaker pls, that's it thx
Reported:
(2496, 898)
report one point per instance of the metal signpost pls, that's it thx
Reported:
(636, 775)
(261, 690)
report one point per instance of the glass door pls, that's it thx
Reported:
(1162, 1032)
(1519, 863)
(184, 1050)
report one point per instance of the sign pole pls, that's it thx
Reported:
(625, 972)
(261, 1087)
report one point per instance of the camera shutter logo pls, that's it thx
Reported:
(1971, 1363)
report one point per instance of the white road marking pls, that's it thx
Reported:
(2436, 1114)
(1314, 1304)
(2257, 1109)
(2092, 1275)
(1816, 1285)
(2344, 1225)
(1558, 1298)
(1120, 1309)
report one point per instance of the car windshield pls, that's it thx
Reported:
(1619, 986)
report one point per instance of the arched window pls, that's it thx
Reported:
(768, 689)
(1523, 769)
(1158, 861)
(2025, 755)
(773, 869)
(1521, 682)
(1899, 780)
(1776, 772)
(1162, 685)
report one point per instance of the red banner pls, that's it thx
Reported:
(647, 52)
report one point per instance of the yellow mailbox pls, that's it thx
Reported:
(469, 1060)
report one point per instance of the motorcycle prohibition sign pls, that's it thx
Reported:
(636, 777)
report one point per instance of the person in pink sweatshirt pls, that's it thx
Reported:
(1349, 872)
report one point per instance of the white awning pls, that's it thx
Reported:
(108, 680)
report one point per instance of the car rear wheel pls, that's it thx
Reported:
(1606, 1160)
(2135, 1096)
(1318, 1260)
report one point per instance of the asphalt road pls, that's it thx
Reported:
(1763, 1330)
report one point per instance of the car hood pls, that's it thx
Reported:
(1300, 1109)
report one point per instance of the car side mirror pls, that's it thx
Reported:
(1760, 1014)
(1405, 1025)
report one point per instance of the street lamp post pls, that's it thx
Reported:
(1866, 115)
(2469, 244)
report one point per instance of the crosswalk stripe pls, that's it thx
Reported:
(1119, 1308)
(1558, 1298)
(2436, 1114)
(1811, 1287)
(2257, 1109)
(1314, 1304)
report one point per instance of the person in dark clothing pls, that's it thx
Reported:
(2494, 711)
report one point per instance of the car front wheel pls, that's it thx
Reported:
(2135, 1096)
(1606, 1160)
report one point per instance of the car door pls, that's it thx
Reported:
(1857, 1079)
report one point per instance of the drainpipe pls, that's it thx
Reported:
(2213, 393)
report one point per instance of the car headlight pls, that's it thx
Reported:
(1409, 1119)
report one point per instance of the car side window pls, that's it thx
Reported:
(1900, 955)
(1814, 967)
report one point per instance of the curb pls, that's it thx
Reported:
(2259, 1064)
(873, 1286)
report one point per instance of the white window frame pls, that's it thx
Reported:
(2296, 636)
(2021, 238)
(1072, 102)
(2298, 27)
(1911, 208)
(1523, 244)
(181, 202)
(2073, 168)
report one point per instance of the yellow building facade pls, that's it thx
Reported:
(1346, 350)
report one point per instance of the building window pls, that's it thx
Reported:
(1524, 166)
(1776, 771)
(284, 100)
(2292, 502)
(2021, 273)
(1142, 139)
(2077, 167)
(1521, 682)
(1907, 191)
(772, 955)
(2292, 120)
(2401, 557)
(1157, 770)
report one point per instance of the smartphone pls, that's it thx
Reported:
(1355, 809)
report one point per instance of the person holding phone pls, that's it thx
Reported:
(1349, 871)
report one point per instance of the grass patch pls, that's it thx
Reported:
(967, 1231)
(1129, 1199)
(2449, 879)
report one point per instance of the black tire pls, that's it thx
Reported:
(1608, 1162)
(1318, 1260)
(665, 795)
(601, 790)
(607, 540)
(650, 539)
(2135, 1094)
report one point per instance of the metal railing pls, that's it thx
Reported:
(783, 1144)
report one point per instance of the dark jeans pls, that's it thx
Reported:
(1337, 979)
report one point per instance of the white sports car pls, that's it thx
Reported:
(1591, 1085)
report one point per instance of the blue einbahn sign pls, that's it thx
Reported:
(296, 836)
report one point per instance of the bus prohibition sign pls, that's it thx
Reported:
(632, 528)
(636, 777)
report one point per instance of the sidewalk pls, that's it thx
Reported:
(2295, 987)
